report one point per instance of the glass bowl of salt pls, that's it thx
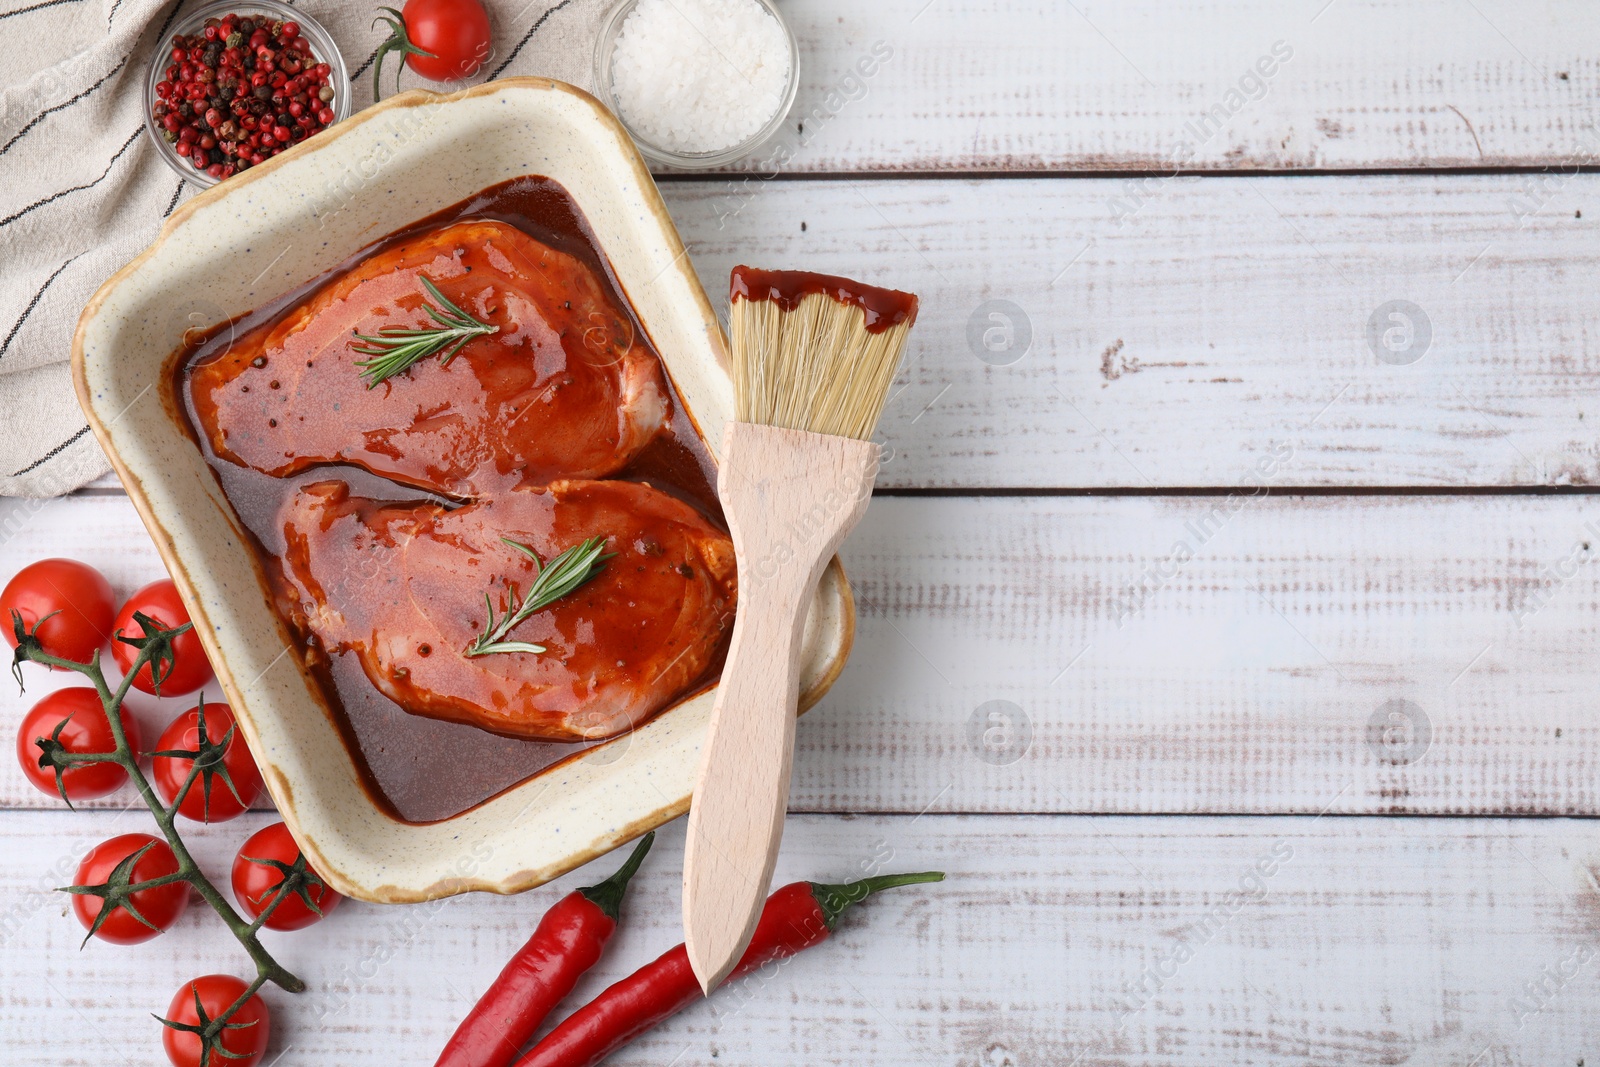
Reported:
(699, 84)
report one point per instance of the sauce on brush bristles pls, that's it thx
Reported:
(815, 352)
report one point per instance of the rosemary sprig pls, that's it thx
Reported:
(554, 580)
(394, 348)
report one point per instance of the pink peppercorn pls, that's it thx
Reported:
(240, 90)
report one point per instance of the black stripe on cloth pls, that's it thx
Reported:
(62, 106)
(174, 202)
(354, 74)
(167, 24)
(111, 15)
(32, 304)
(37, 7)
(76, 188)
(52, 454)
(526, 38)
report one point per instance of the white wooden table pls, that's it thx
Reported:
(1193, 556)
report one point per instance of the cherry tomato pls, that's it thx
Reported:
(168, 773)
(76, 597)
(161, 905)
(244, 1035)
(455, 32)
(159, 601)
(86, 730)
(256, 875)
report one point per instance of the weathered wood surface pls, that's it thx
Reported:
(1344, 655)
(1226, 317)
(1229, 312)
(1257, 676)
(1355, 941)
(1144, 85)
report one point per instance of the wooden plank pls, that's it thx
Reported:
(1217, 85)
(1055, 940)
(1241, 314)
(1216, 654)
(1262, 675)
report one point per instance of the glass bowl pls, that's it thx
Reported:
(605, 45)
(322, 47)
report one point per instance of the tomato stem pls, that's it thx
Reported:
(283, 890)
(267, 968)
(183, 790)
(85, 757)
(158, 881)
(399, 41)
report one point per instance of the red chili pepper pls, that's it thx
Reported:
(795, 917)
(567, 943)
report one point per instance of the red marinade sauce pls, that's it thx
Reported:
(421, 769)
(884, 308)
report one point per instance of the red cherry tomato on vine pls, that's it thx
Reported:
(257, 873)
(161, 905)
(160, 601)
(76, 598)
(244, 1035)
(86, 729)
(167, 773)
(442, 40)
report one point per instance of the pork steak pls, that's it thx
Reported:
(565, 389)
(402, 585)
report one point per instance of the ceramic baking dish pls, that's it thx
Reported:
(274, 228)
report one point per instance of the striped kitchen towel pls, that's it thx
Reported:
(82, 190)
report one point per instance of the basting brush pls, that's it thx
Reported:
(813, 356)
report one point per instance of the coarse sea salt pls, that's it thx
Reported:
(699, 75)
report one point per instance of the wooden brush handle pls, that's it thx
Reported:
(790, 498)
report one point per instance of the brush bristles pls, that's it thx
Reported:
(815, 368)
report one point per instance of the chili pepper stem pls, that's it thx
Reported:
(607, 895)
(267, 968)
(834, 900)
